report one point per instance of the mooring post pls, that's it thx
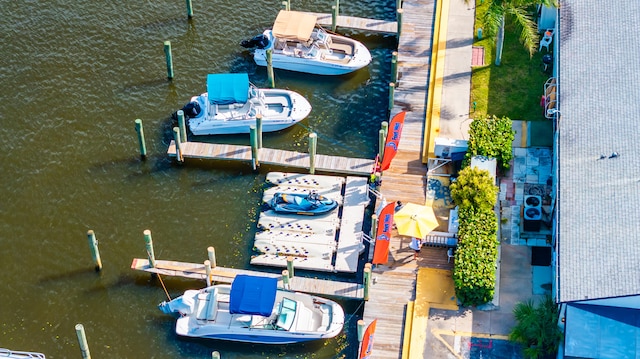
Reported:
(334, 18)
(178, 141)
(272, 83)
(189, 9)
(361, 329)
(143, 146)
(95, 254)
(399, 21)
(392, 87)
(384, 125)
(313, 145)
(82, 340)
(167, 55)
(253, 135)
(290, 266)
(207, 270)
(374, 225)
(394, 66)
(337, 8)
(287, 5)
(182, 126)
(149, 243)
(215, 355)
(211, 252)
(285, 279)
(398, 4)
(259, 129)
(367, 282)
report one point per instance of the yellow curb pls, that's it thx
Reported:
(408, 324)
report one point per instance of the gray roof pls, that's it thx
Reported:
(599, 102)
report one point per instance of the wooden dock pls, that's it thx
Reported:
(394, 284)
(226, 275)
(269, 156)
(358, 23)
(312, 240)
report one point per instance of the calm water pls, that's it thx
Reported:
(75, 75)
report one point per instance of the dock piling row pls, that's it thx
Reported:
(82, 341)
(169, 59)
(143, 146)
(93, 244)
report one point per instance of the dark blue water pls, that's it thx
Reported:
(75, 75)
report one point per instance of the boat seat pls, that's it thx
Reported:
(212, 306)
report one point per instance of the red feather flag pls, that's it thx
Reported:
(383, 235)
(393, 138)
(367, 341)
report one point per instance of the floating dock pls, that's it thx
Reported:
(329, 242)
(332, 164)
(226, 275)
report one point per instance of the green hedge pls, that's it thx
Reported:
(474, 273)
(491, 137)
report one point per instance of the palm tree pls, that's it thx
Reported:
(537, 329)
(516, 10)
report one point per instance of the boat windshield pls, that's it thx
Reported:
(286, 314)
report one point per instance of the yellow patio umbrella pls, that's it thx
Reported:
(415, 220)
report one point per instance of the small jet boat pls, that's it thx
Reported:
(302, 203)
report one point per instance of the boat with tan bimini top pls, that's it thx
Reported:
(297, 44)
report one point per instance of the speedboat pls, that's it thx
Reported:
(302, 203)
(253, 309)
(298, 45)
(231, 104)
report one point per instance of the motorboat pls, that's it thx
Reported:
(310, 203)
(232, 103)
(253, 309)
(297, 44)
(12, 354)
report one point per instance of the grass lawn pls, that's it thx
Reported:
(512, 89)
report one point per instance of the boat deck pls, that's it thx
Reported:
(330, 242)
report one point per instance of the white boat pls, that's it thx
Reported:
(12, 354)
(298, 45)
(231, 104)
(252, 309)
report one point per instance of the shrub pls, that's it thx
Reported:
(537, 329)
(491, 137)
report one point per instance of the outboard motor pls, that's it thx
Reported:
(260, 41)
(192, 109)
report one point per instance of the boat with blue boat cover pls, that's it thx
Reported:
(253, 309)
(232, 103)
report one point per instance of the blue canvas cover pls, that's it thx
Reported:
(253, 295)
(224, 89)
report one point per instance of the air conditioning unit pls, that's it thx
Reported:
(532, 213)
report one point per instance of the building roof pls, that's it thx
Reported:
(598, 150)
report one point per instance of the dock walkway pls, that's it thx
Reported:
(291, 159)
(394, 284)
(226, 275)
(358, 23)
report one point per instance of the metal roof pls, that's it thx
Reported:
(598, 149)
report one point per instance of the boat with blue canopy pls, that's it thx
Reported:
(232, 103)
(253, 309)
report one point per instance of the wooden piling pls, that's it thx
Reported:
(211, 252)
(285, 279)
(374, 226)
(287, 5)
(189, 9)
(93, 244)
(82, 341)
(334, 18)
(215, 355)
(394, 66)
(290, 266)
(398, 4)
(399, 21)
(313, 145)
(259, 129)
(182, 126)
(384, 125)
(253, 135)
(272, 83)
(167, 54)
(337, 8)
(381, 142)
(149, 243)
(392, 87)
(361, 329)
(143, 146)
(207, 270)
(176, 138)
(367, 282)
